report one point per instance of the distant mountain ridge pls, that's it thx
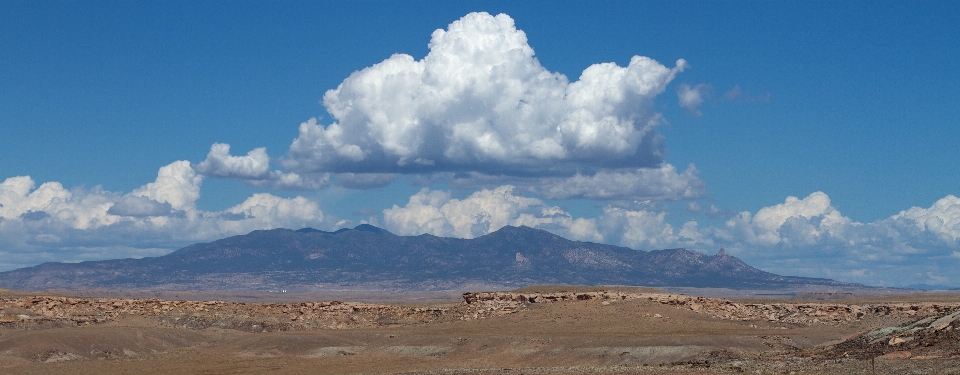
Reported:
(367, 257)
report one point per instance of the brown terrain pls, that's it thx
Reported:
(536, 330)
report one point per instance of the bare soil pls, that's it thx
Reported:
(536, 330)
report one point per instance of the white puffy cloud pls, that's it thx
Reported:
(801, 236)
(810, 237)
(479, 104)
(16, 197)
(50, 223)
(177, 184)
(808, 218)
(77, 209)
(942, 219)
(275, 212)
(637, 229)
(691, 97)
(480, 101)
(485, 211)
(254, 169)
(810, 226)
(649, 230)
(219, 163)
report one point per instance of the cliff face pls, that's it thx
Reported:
(367, 257)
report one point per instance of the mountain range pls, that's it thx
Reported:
(371, 258)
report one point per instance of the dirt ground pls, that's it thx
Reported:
(555, 330)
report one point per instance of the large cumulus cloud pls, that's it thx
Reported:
(480, 111)
(480, 101)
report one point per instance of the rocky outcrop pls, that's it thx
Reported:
(932, 329)
(793, 313)
(935, 336)
(47, 312)
(39, 312)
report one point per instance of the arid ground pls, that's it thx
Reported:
(537, 330)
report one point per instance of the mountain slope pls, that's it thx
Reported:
(373, 258)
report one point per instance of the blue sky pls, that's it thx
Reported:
(110, 112)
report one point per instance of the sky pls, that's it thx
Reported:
(807, 138)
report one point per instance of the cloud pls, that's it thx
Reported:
(485, 211)
(365, 180)
(293, 181)
(663, 183)
(34, 215)
(620, 186)
(810, 237)
(79, 209)
(480, 101)
(139, 207)
(637, 229)
(254, 169)
(50, 223)
(711, 211)
(16, 197)
(806, 220)
(941, 220)
(800, 236)
(219, 163)
(736, 95)
(177, 184)
(479, 110)
(692, 97)
(274, 211)
(810, 227)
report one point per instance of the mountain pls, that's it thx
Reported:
(371, 258)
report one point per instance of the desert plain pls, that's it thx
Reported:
(535, 330)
